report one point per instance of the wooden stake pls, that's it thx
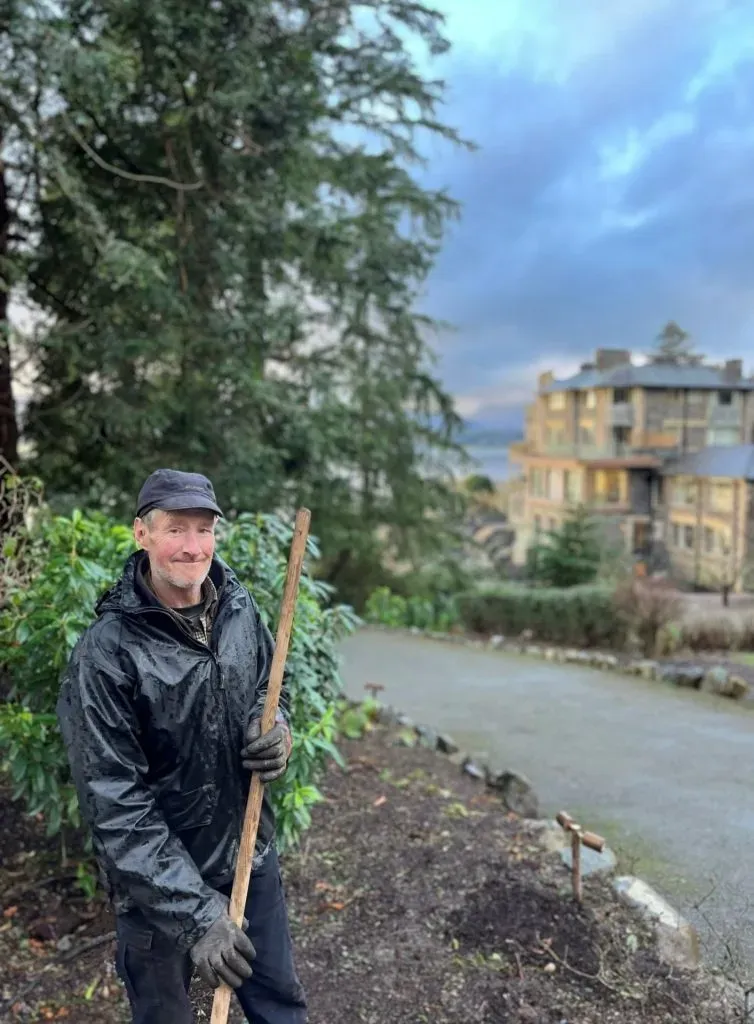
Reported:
(576, 863)
(221, 1001)
(578, 836)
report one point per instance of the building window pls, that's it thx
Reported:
(688, 537)
(621, 396)
(557, 401)
(676, 535)
(608, 486)
(553, 526)
(590, 399)
(586, 436)
(721, 496)
(723, 436)
(684, 491)
(537, 524)
(548, 483)
(725, 398)
(709, 540)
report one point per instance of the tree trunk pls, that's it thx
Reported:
(726, 595)
(8, 422)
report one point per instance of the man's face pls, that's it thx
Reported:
(180, 546)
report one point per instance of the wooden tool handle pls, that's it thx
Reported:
(221, 1001)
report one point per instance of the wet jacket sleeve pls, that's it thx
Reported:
(265, 651)
(137, 851)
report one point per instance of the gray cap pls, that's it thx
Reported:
(170, 489)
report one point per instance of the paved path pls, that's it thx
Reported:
(666, 774)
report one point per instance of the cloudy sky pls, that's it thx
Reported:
(612, 191)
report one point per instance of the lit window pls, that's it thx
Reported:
(557, 401)
(590, 399)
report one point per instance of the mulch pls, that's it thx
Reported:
(414, 898)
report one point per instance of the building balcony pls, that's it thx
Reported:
(621, 415)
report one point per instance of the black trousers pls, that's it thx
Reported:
(157, 978)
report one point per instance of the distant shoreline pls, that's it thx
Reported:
(490, 460)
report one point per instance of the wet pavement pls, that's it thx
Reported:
(666, 774)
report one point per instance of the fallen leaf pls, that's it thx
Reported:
(335, 905)
(380, 801)
(323, 886)
(10, 911)
(63, 1011)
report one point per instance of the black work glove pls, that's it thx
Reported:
(223, 954)
(268, 754)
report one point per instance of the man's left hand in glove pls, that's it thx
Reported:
(267, 755)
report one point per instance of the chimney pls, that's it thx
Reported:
(586, 366)
(545, 380)
(608, 358)
(733, 370)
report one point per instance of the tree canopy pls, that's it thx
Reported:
(216, 214)
(674, 345)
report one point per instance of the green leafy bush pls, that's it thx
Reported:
(438, 613)
(583, 616)
(386, 608)
(73, 560)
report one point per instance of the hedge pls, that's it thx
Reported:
(584, 616)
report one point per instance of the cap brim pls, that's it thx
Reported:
(189, 501)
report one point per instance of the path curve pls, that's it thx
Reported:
(666, 774)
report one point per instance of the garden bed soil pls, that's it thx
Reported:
(414, 898)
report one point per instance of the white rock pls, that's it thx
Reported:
(677, 940)
(592, 863)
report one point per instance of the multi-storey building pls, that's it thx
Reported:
(626, 441)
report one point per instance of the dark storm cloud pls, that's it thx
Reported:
(561, 249)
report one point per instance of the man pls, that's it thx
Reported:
(160, 710)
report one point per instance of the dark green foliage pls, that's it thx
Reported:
(227, 240)
(569, 556)
(74, 560)
(478, 483)
(438, 612)
(584, 616)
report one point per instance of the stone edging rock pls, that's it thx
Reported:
(677, 939)
(711, 678)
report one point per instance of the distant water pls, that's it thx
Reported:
(491, 461)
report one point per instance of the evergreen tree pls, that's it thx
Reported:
(570, 555)
(674, 345)
(230, 248)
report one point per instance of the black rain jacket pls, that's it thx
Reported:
(154, 724)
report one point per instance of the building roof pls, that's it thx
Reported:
(733, 461)
(653, 375)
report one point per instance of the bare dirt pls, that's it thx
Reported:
(414, 898)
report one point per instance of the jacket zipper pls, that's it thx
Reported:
(226, 707)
